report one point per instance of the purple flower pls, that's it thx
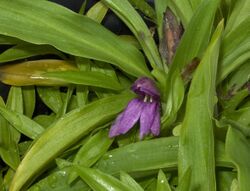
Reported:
(145, 108)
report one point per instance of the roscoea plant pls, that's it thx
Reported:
(184, 79)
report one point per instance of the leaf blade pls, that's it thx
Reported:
(196, 138)
(60, 135)
(35, 22)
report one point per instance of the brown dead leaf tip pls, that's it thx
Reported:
(172, 32)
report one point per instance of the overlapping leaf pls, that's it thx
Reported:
(197, 137)
(36, 22)
(66, 131)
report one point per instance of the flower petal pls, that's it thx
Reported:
(145, 86)
(126, 120)
(147, 118)
(155, 127)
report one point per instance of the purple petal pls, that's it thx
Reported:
(155, 127)
(147, 118)
(126, 120)
(145, 86)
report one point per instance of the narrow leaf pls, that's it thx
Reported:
(29, 73)
(22, 123)
(29, 100)
(144, 7)
(92, 150)
(8, 145)
(185, 182)
(26, 50)
(6, 40)
(239, 77)
(183, 9)
(100, 181)
(235, 49)
(35, 22)
(192, 44)
(136, 24)
(195, 3)
(239, 13)
(129, 181)
(196, 138)
(51, 97)
(237, 147)
(162, 182)
(66, 131)
(82, 91)
(90, 78)
(160, 8)
(164, 156)
(58, 181)
(97, 12)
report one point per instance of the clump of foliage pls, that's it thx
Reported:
(199, 62)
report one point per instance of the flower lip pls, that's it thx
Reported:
(145, 86)
(145, 108)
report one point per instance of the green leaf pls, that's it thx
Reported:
(192, 44)
(131, 39)
(24, 146)
(26, 50)
(10, 136)
(51, 97)
(8, 144)
(235, 185)
(92, 150)
(195, 3)
(237, 147)
(90, 78)
(160, 8)
(22, 123)
(66, 101)
(82, 92)
(35, 22)
(183, 9)
(239, 119)
(224, 179)
(162, 182)
(97, 12)
(164, 156)
(151, 185)
(8, 177)
(29, 100)
(6, 40)
(15, 99)
(185, 182)
(30, 72)
(235, 49)
(100, 181)
(138, 27)
(239, 77)
(66, 131)
(54, 72)
(147, 182)
(45, 120)
(128, 180)
(1, 181)
(104, 68)
(144, 7)
(58, 181)
(239, 13)
(196, 34)
(231, 105)
(196, 138)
